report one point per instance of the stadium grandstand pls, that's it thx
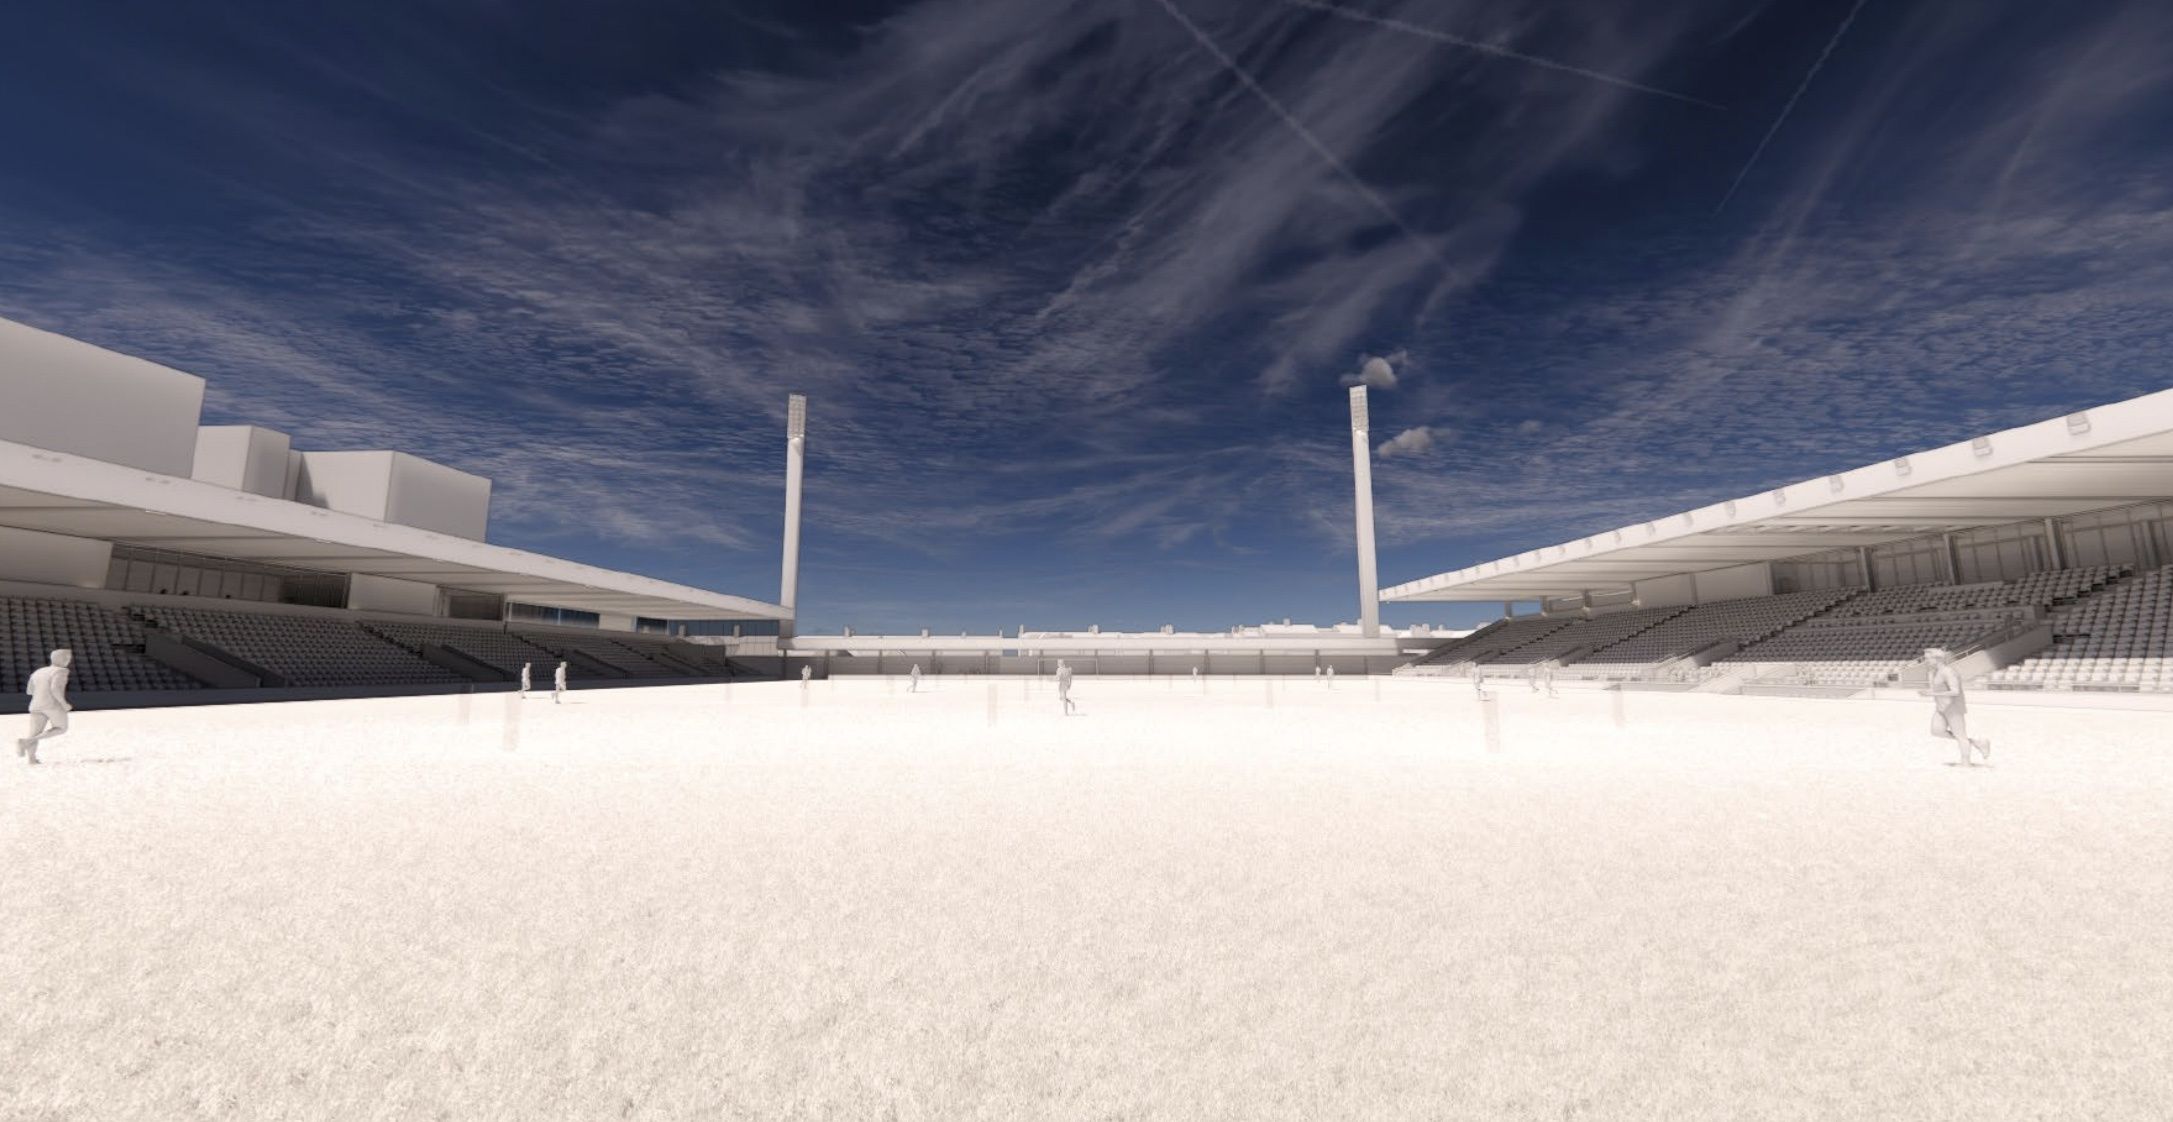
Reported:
(2042, 557)
(185, 563)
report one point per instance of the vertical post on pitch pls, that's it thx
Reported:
(1620, 720)
(1369, 598)
(1491, 712)
(509, 727)
(788, 587)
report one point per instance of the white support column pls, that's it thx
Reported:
(1369, 596)
(2054, 555)
(788, 589)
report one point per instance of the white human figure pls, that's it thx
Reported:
(48, 689)
(558, 684)
(1548, 674)
(1195, 673)
(524, 680)
(1478, 682)
(1531, 674)
(1063, 686)
(1330, 675)
(806, 672)
(914, 686)
(1950, 710)
(1316, 672)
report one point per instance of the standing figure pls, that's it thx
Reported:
(558, 683)
(1331, 677)
(914, 686)
(806, 672)
(1950, 710)
(1195, 673)
(524, 680)
(1547, 673)
(1063, 686)
(1531, 674)
(1478, 682)
(48, 689)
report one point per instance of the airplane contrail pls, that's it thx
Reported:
(1493, 49)
(1790, 107)
(1304, 134)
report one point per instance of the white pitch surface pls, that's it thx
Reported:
(722, 902)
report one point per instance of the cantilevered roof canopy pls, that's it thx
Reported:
(2109, 456)
(63, 494)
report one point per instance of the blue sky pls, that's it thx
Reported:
(1075, 288)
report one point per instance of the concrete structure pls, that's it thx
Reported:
(246, 458)
(788, 590)
(1369, 601)
(63, 395)
(1149, 654)
(102, 454)
(396, 487)
(2046, 495)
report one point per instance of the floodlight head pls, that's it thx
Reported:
(1359, 422)
(795, 416)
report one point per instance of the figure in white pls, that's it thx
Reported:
(1330, 675)
(1546, 674)
(1316, 672)
(558, 684)
(48, 689)
(524, 680)
(1195, 673)
(1950, 710)
(1478, 682)
(1063, 686)
(914, 686)
(806, 672)
(1531, 674)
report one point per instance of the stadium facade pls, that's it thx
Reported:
(182, 556)
(187, 562)
(2040, 553)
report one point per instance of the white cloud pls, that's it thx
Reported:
(1378, 371)
(1409, 442)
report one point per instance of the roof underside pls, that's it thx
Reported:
(62, 494)
(2110, 456)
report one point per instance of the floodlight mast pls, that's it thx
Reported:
(795, 454)
(1369, 594)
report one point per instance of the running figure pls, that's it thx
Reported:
(1950, 710)
(1063, 686)
(1531, 674)
(558, 684)
(914, 686)
(48, 689)
(524, 681)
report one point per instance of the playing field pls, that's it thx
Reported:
(1251, 902)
